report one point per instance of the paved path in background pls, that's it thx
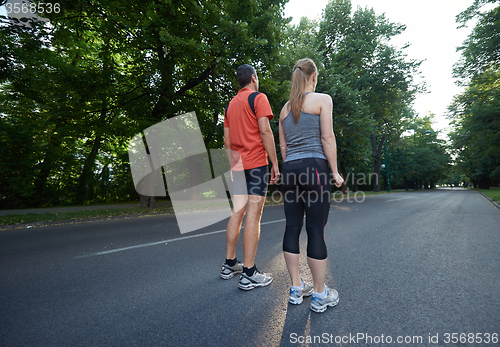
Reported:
(412, 266)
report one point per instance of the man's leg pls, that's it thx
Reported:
(251, 277)
(231, 266)
(234, 225)
(251, 234)
(257, 184)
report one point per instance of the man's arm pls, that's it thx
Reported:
(268, 140)
(227, 146)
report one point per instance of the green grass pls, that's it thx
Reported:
(80, 215)
(100, 214)
(493, 194)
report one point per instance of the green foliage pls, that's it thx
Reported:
(370, 81)
(481, 50)
(476, 112)
(74, 92)
(419, 158)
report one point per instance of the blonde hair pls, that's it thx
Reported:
(302, 70)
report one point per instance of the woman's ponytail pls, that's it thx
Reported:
(302, 70)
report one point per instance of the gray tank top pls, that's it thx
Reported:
(303, 140)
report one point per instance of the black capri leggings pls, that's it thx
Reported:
(306, 187)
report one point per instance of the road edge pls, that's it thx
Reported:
(490, 199)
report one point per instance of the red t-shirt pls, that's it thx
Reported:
(244, 130)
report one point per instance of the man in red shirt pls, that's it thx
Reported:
(248, 140)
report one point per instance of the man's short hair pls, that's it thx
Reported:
(244, 74)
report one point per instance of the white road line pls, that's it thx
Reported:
(398, 199)
(96, 254)
(409, 197)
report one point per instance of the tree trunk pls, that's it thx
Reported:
(376, 154)
(41, 179)
(484, 183)
(147, 201)
(163, 107)
(343, 171)
(45, 168)
(85, 191)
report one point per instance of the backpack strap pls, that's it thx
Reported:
(225, 113)
(251, 100)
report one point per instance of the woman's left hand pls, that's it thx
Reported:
(338, 179)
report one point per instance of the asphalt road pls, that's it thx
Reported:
(409, 267)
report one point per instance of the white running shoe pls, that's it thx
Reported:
(228, 272)
(297, 293)
(320, 303)
(258, 279)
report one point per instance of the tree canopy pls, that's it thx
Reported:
(76, 88)
(475, 113)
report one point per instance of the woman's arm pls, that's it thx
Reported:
(328, 137)
(283, 114)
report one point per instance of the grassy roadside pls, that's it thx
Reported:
(81, 215)
(493, 194)
(98, 214)
(102, 214)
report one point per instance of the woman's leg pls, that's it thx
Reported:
(292, 264)
(294, 213)
(318, 271)
(317, 209)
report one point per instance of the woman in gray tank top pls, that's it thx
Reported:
(309, 152)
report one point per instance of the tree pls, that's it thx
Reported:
(475, 112)
(371, 81)
(115, 68)
(476, 134)
(419, 158)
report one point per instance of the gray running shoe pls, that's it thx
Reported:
(297, 294)
(258, 279)
(319, 304)
(228, 272)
